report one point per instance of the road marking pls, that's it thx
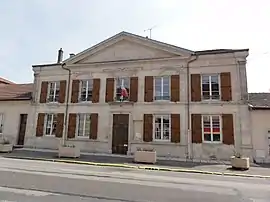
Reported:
(25, 192)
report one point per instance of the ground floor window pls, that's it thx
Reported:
(50, 124)
(83, 125)
(162, 127)
(1, 123)
(211, 128)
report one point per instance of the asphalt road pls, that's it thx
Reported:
(27, 181)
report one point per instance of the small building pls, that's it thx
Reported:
(16, 112)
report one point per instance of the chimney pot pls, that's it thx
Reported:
(60, 56)
(71, 55)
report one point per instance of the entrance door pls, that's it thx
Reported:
(22, 128)
(120, 133)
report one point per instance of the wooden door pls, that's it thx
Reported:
(120, 133)
(22, 128)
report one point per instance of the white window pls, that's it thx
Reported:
(86, 90)
(122, 89)
(210, 87)
(53, 91)
(211, 128)
(1, 123)
(83, 125)
(162, 88)
(162, 127)
(50, 124)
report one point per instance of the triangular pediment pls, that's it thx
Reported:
(124, 47)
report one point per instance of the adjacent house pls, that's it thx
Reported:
(129, 92)
(259, 105)
(15, 112)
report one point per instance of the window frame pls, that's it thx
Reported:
(54, 118)
(115, 88)
(211, 128)
(2, 123)
(154, 128)
(210, 87)
(54, 91)
(162, 88)
(87, 88)
(84, 124)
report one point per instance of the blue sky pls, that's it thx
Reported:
(33, 30)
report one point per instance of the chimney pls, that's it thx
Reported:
(60, 56)
(71, 55)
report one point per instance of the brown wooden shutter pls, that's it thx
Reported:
(226, 86)
(134, 89)
(196, 128)
(71, 125)
(149, 89)
(196, 87)
(93, 126)
(175, 128)
(60, 125)
(148, 127)
(62, 91)
(227, 129)
(43, 92)
(96, 88)
(175, 88)
(40, 125)
(109, 90)
(75, 91)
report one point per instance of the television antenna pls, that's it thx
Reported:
(150, 31)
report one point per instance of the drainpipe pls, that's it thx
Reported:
(189, 156)
(63, 66)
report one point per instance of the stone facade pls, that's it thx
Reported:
(128, 55)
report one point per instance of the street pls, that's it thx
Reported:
(29, 181)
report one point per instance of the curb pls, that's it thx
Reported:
(118, 165)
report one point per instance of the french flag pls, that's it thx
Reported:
(124, 93)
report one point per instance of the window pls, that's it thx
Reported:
(122, 89)
(86, 90)
(210, 87)
(211, 128)
(53, 93)
(50, 124)
(162, 88)
(83, 125)
(1, 123)
(162, 127)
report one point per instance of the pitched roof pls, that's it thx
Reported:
(259, 100)
(2, 80)
(16, 92)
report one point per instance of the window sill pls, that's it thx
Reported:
(212, 143)
(121, 103)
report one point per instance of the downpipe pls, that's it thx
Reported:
(189, 144)
(64, 136)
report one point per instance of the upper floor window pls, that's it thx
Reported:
(53, 91)
(83, 125)
(211, 128)
(86, 89)
(162, 88)
(210, 87)
(122, 89)
(50, 124)
(1, 123)
(162, 127)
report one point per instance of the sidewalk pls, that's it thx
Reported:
(210, 167)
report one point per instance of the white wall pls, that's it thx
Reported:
(12, 111)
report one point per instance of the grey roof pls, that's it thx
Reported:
(219, 51)
(259, 100)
